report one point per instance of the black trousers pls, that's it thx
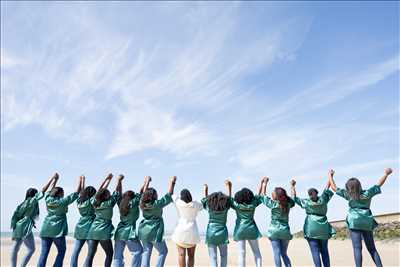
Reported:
(107, 247)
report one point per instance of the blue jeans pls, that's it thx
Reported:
(319, 247)
(356, 237)
(46, 245)
(223, 252)
(77, 249)
(29, 242)
(92, 248)
(134, 247)
(162, 249)
(256, 252)
(280, 246)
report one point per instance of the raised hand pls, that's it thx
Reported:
(109, 176)
(147, 179)
(228, 183)
(121, 177)
(56, 176)
(388, 171)
(265, 179)
(331, 172)
(293, 183)
(205, 186)
(173, 179)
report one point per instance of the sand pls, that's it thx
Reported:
(341, 254)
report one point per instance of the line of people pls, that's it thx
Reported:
(96, 210)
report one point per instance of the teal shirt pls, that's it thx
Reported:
(151, 228)
(55, 223)
(86, 211)
(360, 216)
(102, 227)
(217, 232)
(245, 226)
(316, 225)
(126, 229)
(23, 219)
(279, 227)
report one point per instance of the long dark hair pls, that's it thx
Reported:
(218, 201)
(244, 196)
(313, 194)
(101, 195)
(353, 188)
(283, 198)
(31, 192)
(125, 201)
(149, 196)
(86, 193)
(186, 196)
(57, 192)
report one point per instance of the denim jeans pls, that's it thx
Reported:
(223, 252)
(356, 237)
(107, 247)
(162, 249)
(134, 247)
(242, 252)
(319, 247)
(46, 245)
(77, 249)
(279, 247)
(29, 242)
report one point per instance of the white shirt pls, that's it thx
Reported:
(186, 230)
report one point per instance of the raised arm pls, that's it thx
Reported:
(228, 185)
(118, 188)
(260, 188)
(331, 181)
(51, 180)
(265, 181)
(293, 187)
(172, 185)
(382, 180)
(328, 184)
(206, 190)
(81, 183)
(145, 185)
(106, 181)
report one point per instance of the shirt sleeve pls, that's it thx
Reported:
(342, 193)
(136, 199)
(233, 203)
(16, 217)
(175, 198)
(267, 201)
(326, 195)
(204, 201)
(65, 201)
(300, 201)
(290, 202)
(164, 201)
(39, 195)
(257, 200)
(115, 197)
(373, 191)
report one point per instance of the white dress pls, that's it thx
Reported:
(186, 231)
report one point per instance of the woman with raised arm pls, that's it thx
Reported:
(101, 229)
(125, 234)
(360, 220)
(245, 204)
(317, 230)
(279, 230)
(151, 228)
(86, 211)
(23, 220)
(55, 226)
(217, 204)
(186, 234)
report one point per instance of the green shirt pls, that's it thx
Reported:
(102, 228)
(217, 233)
(151, 228)
(23, 219)
(245, 227)
(316, 225)
(360, 216)
(126, 229)
(86, 211)
(55, 223)
(279, 227)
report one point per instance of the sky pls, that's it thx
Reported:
(203, 91)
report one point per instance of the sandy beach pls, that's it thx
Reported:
(341, 254)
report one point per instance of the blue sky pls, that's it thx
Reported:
(204, 91)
